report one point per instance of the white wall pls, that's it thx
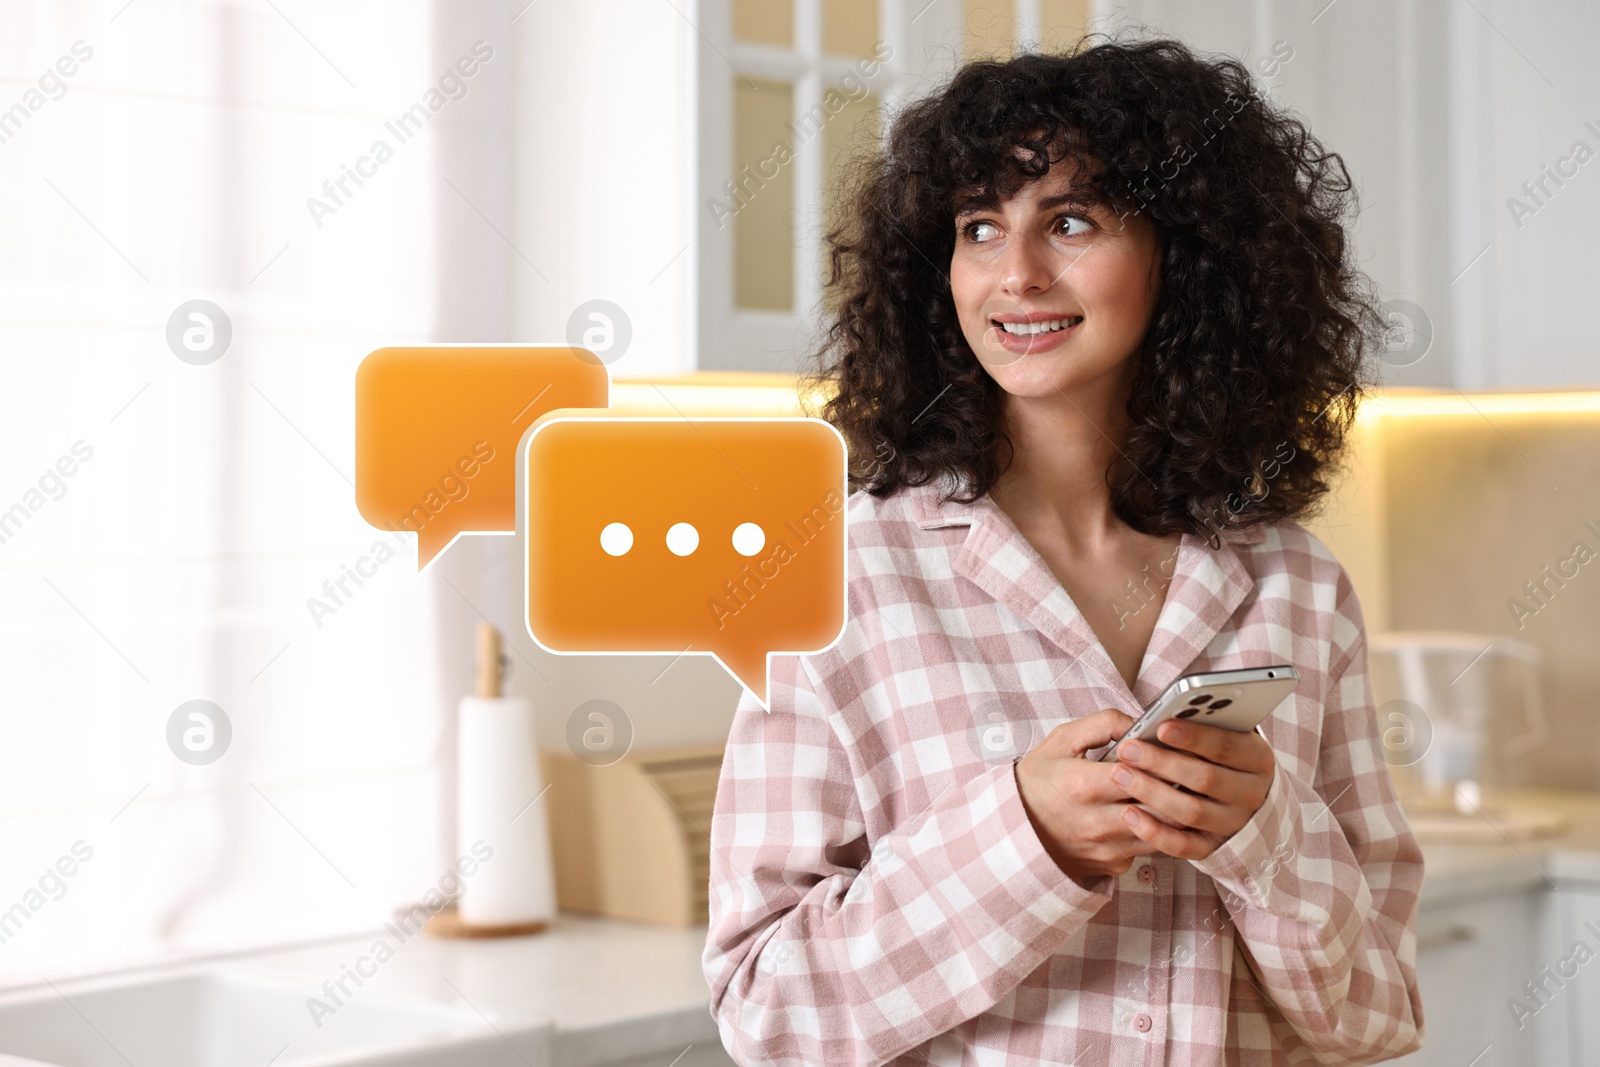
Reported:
(601, 139)
(602, 136)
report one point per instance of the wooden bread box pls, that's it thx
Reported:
(630, 840)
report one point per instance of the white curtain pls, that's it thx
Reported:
(207, 503)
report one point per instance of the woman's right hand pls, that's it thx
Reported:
(1072, 802)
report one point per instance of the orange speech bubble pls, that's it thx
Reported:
(437, 430)
(666, 536)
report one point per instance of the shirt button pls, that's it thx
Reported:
(1142, 1023)
(1147, 875)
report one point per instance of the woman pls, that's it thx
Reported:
(1099, 341)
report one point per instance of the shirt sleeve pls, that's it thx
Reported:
(830, 945)
(1323, 893)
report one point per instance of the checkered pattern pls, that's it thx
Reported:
(878, 894)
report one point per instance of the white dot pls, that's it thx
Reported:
(682, 539)
(748, 538)
(616, 539)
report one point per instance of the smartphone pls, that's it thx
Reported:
(1234, 700)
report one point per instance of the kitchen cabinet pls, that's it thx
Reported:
(1566, 1010)
(1478, 203)
(1472, 957)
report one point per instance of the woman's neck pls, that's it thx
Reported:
(1063, 446)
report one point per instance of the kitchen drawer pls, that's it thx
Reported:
(1472, 957)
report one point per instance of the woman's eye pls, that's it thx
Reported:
(981, 231)
(1074, 225)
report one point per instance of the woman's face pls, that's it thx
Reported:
(1048, 261)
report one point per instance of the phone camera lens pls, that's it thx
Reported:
(1201, 699)
(1218, 705)
(1186, 712)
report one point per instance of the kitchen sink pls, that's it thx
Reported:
(217, 1019)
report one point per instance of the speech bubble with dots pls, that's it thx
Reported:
(675, 536)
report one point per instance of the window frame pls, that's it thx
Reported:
(730, 337)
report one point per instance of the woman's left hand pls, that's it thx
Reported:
(1228, 774)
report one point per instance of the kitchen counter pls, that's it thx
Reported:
(617, 990)
(612, 991)
(1495, 919)
(608, 992)
(1459, 872)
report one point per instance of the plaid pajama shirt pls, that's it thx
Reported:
(878, 894)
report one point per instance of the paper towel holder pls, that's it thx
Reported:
(492, 666)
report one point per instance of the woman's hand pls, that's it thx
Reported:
(1074, 806)
(1228, 775)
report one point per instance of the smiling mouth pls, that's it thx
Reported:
(1028, 329)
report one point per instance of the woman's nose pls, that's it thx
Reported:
(1025, 267)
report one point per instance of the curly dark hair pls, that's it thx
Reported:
(1255, 358)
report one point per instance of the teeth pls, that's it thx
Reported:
(1024, 329)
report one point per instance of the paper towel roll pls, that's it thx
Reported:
(499, 779)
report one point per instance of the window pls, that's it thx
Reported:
(179, 517)
(790, 92)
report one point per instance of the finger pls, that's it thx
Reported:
(1098, 818)
(1117, 839)
(1085, 792)
(1182, 844)
(1209, 779)
(1187, 809)
(1091, 783)
(1248, 752)
(1092, 731)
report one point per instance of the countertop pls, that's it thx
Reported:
(616, 989)
(612, 991)
(1460, 872)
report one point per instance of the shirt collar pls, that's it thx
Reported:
(1207, 586)
(932, 512)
